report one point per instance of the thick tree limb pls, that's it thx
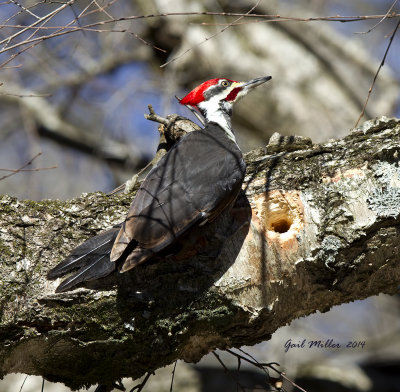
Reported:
(323, 229)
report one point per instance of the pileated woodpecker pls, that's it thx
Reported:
(191, 185)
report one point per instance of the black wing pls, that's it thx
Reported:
(92, 258)
(191, 184)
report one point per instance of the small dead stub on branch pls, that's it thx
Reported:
(171, 129)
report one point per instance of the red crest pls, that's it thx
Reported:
(196, 95)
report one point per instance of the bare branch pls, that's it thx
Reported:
(266, 17)
(378, 23)
(29, 170)
(211, 36)
(42, 19)
(228, 372)
(141, 385)
(173, 376)
(263, 366)
(62, 30)
(155, 117)
(52, 125)
(21, 168)
(25, 95)
(23, 383)
(24, 8)
(376, 75)
(103, 9)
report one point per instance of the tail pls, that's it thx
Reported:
(92, 259)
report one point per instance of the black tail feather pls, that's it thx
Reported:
(92, 259)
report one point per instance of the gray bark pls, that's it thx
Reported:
(316, 226)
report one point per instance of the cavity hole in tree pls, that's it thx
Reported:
(281, 225)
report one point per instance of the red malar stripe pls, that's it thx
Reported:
(233, 94)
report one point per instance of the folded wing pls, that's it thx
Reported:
(193, 183)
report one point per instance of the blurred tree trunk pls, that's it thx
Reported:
(316, 226)
(86, 90)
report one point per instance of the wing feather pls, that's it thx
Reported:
(92, 259)
(191, 184)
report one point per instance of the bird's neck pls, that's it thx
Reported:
(221, 114)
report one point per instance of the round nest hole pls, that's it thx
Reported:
(281, 225)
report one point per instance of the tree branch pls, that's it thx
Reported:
(51, 125)
(318, 225)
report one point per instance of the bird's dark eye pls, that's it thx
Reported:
(225, 83)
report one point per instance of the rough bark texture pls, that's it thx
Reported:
(316, 226)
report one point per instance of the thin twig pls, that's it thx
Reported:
(29, 170)
(210, 37)
(44, 22)
(264, 365)
(24, 8)
(68, 30)
(142, 40)
(155, 117)
(140, 386)
(37, 40)
(378, 23)
(12, 67)
(91, 12)
(11, 58)
(288, 379)
(25, 95)
(20, 389)
(228, 372)
(13, 172)
(376, 75)
(266, 17)
(173, 376)
(102, 9)
(54, 12)
(254, 359)
(78, 22)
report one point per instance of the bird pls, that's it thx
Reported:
(191, 185)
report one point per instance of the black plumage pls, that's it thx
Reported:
(92, 258)
(199, 177)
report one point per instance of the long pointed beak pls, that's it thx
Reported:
(240, 89)
(255, 82)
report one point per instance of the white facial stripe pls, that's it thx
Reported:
(242, 93)
(213, 112)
